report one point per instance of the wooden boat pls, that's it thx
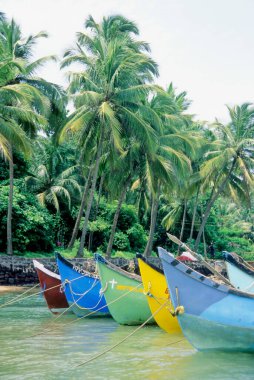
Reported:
(54, 297)
(239, 272)
(124, 294)
(156, 288)
(212, 316)
(82, 290)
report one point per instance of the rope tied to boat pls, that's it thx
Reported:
(179, 310)
(148, 292)
(123, 340)
(103, 290)
(84, 316)
(19, 298)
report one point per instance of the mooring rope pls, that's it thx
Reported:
(18, 298)
(121, 341)
(48, 329)
(82, 307)
(84, 316)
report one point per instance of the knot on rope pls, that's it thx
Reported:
(103, 290)
(147, 294)
(179, 310)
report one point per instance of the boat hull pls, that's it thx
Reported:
(156, 287)
(82, 291)
(215, 316)
(239, 278)
(54, 297)
(124, 295)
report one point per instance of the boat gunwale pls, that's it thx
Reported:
(42, 268)
(132, 276)
(241, 265)
(200, 278)
(72, 266)
(153, 266)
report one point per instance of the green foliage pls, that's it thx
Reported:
(127, 218)
(137, 237)
(32, 224)
(121, 242)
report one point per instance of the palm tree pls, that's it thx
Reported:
(165, 165)
(108, 93)
(230, 157)
(23, 106)
(54, 182)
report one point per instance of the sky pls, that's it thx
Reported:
(205, 47)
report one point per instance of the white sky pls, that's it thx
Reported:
(204, 47)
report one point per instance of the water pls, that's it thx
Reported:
(149, 354)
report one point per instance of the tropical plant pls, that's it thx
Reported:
(229, 164)
(108, 93)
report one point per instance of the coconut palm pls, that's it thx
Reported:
(167, 165)
(52, 182)
(23, 105)
(230, 159)
(108, 93)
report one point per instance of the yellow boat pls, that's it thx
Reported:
(155, 286)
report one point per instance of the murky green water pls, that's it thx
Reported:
(149, 354)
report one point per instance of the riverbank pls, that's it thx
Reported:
(19, 271)
(11, 288)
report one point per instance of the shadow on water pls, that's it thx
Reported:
(149, 354)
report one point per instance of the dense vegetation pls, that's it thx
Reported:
(126, 165)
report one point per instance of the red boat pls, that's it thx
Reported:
(54, 297)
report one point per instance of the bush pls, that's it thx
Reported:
(33, 226)
(121, 242)
(137, 237)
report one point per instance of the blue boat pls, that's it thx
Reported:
(212, 316)
(82, 290)
(239, 272)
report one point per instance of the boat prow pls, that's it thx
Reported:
(82, 290)
(124, 294)
(156, 289)
(240, 274)
(50, 283)
(212, 316)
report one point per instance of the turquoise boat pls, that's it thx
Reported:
(212, 316)
(239, 272)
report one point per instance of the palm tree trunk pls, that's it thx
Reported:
(183, 223)
(81, 209)
(116, 216)
(154, 212)
(194, 214)
(10, 205)
(90, 243)
(209, 205)
(91, 196)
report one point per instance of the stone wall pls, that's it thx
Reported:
(20, 271)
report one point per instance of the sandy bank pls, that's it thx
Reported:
(4, 288)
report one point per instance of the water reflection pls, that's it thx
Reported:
(149, 354)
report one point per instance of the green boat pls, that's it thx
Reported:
(124, 294)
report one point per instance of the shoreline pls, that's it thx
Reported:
(11, 288)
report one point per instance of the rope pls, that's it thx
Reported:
(177, 341)
(84, 316)
(248, 287)
(86, 308)
(47, 329)
(19, 296)
(30, 295)
(121, 341)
